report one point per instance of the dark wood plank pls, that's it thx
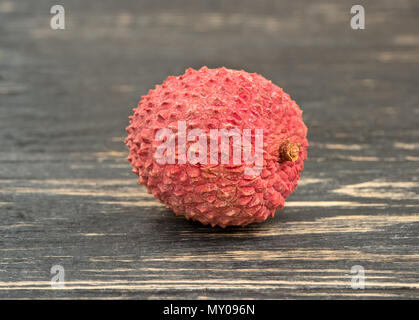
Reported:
(68, 197)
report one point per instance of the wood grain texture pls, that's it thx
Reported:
(68, 197)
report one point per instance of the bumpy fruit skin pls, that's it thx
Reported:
(214, 99)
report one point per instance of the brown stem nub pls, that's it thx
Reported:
(289, 151)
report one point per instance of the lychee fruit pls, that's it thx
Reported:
(195, 143)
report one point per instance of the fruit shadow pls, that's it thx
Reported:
(192, 227)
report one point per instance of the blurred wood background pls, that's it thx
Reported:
(68, 197)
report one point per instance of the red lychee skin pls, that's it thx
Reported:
(214, 99)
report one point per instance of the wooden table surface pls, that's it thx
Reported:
(68, 197)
